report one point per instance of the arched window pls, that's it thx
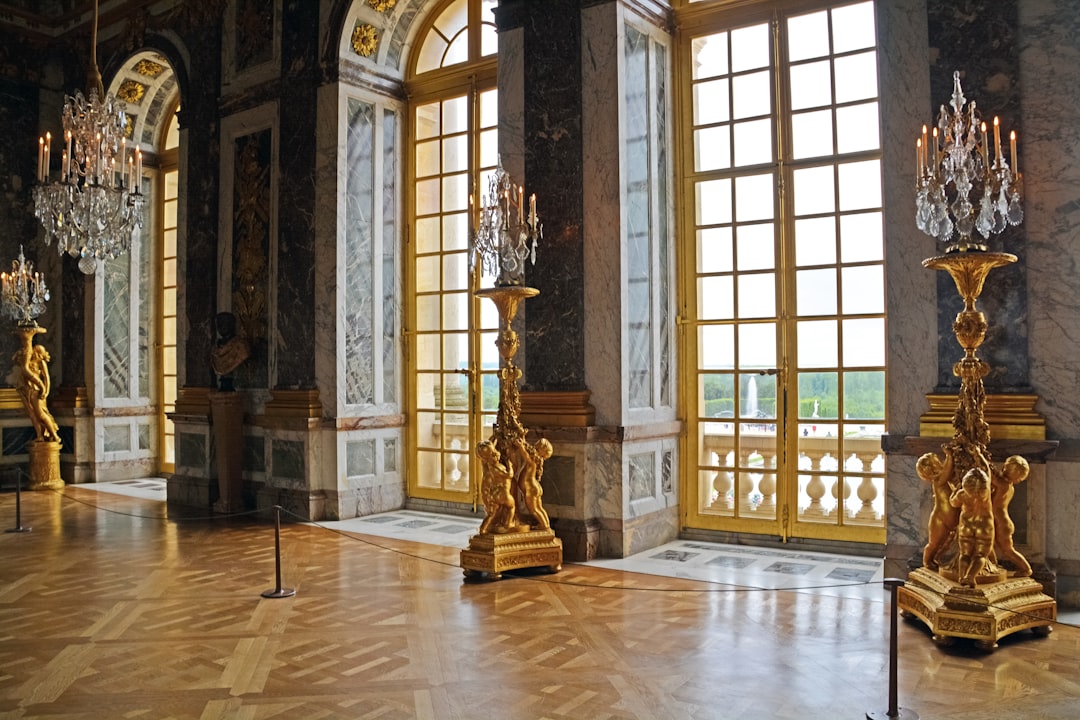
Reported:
(453, 140)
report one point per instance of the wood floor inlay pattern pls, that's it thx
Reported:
(108, 612)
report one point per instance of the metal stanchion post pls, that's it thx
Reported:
(894, 711)
(18, 508)
(278, 591)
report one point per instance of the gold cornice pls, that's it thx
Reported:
(1010, 416)
(557, 408)
(293, 404)
(10, 400)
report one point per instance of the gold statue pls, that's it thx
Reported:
(975, 528)
(30, 376)
(943, 516)
(1014, 470)
(532, 460)
(496, 490)
(230, 351)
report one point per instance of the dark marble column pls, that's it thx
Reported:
(199, 117)
(554, 325)
(979, 38)
(300, 78)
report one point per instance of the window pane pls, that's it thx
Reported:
(811, 85)
(456, 193)
(455, 232)
(750, 95)
(808, 36)
(817, 343)
(717, 394)
(864, 395)
(455, 154)
(427, 121)
(754, 197)
(856, 77)
(864, 289)
(714, 202)
(860, 185)
(454, 19)
(818, 395)
(853, 27)
(757, 345)
(815, 241)
(709, 56)
(455, 115)
(812, 134)
(714, 250)
(427, 158)
(816, 292)
(757, 295)
(750, 48)
(427, 312)
(427, 235)
(455, 311)
(716, 346)
(489, 148)
(455, 271)
(427, 197)
(711, 102)
(864, 342)
(857, 128)
(712, 148)
(860, 237)
(753, 143)
(756, 251)
(814, 191)
(716, 299)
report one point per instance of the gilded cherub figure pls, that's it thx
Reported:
(975, 529)
(532, 470)
(943, 516)
(1013, 471)
(496, 489)
(30, 376)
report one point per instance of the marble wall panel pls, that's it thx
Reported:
(191, 450)
(602, 222)
(116, 438)
(14, 439)
(642, 476)
(294, 283)
(360, 457)
(390, 455)
(116, 327)
(287, 462)
(980, 40)
(359, 306)
(254, 453)
(391, 278)
(554, 349)
(1049, 157)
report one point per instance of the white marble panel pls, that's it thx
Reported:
(600, 65)
(606, 496)
(910, 289)
(1049, 158)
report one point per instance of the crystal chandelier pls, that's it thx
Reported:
(506, 236)
(956, 161)
(23, 291)
(95, 205)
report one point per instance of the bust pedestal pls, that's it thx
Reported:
(227, 415)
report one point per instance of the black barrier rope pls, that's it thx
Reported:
(727, 587)
(895, 712)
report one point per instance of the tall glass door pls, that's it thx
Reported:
(783, 279)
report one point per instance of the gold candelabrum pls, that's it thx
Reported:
(516, 531)
(973, 582)
(23, 294)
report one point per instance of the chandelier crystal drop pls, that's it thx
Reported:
(23, 291)
(506, 236)
(95, 205)
(965, 186)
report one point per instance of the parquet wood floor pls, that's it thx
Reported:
(108, 610)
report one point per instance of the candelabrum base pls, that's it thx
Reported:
(984, 613)
(490, 555)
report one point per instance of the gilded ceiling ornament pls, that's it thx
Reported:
(365, 39)
(129, 126)
(149, 68)
(131, 91)
(382, 5)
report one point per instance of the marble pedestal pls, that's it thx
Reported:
(985, 613)
(227, 413)
(44, 465)
(492, 554)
